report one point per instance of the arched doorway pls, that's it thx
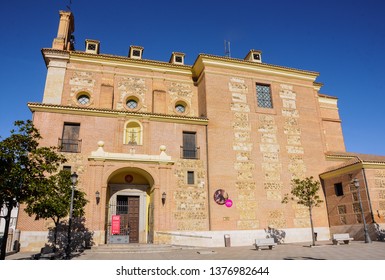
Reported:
(129, 213)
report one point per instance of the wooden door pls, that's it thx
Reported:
(133, 218)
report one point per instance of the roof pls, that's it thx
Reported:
(351, 159)
(314, 74)
(327, 96)
(226, 58)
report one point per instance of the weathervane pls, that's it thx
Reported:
(69, 5)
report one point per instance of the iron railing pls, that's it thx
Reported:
(70, 145)
(189, 153)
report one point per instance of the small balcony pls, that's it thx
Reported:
(70, 145)
(189, 153)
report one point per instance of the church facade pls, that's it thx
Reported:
(170, 153)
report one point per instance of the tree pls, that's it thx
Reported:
(305, 192)
(24, 169)
(54, 201)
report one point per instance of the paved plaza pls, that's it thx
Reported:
(357, 250)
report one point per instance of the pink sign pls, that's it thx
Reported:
(115, 225)
(229, 203)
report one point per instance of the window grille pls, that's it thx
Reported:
(264, 96)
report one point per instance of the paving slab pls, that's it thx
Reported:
(357, 250)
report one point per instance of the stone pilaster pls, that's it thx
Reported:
(244, 166)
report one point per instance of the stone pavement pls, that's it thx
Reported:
(324, 250)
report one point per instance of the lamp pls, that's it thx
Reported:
(97, 195)
(356, 183)
(163, 198)
(74, 179)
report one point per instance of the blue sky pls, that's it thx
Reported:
(343, 40)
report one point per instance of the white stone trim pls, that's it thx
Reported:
(100, 154)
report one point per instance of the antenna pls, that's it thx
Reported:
(227, 49)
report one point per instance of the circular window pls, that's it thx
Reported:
(180, 108)
(132, 104)
(83, 99)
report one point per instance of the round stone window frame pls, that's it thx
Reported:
(81, 93)
(134, 98)
(183, 103)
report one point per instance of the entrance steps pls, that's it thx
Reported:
(136, 248)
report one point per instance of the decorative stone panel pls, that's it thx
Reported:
(276, 219)
(247, 186)
(274, 195)
(128, 86)
(243, 156)
(245, 183)
(294, 149)
(381, 205)
(190, 201)
(180, 91)
(302, 223)
(81, 81)
(247, 225)
(273, 186)
(381, 194)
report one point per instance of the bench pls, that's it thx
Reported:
(267, 242)
(341, 237)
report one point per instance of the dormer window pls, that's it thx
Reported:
(177, 58)
(136, 52)
(254, 56)
(92, 46)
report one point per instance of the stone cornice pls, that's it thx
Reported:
(61, 109)
(195, 70)
(54, 54)
(127, 62)
(248, 66)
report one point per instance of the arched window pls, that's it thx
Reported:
(133, 133)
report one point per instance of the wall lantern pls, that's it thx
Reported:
(163, 198)
(356, 183)
(97, 195)
(74, 178)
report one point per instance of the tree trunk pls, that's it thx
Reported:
(55, 235)
(6, 229)
(311, 225)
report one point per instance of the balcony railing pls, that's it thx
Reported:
(70, 145)
(189, 153)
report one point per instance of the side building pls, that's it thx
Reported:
(184, 154)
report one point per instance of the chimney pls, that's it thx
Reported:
(65, 39)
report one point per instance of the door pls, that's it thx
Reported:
(123, 225)
(133, 218)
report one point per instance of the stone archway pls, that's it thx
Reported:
(129, 215)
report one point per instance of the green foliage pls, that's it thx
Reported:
(54, 199)
(24, 169)
(304, 192)
(24, 165)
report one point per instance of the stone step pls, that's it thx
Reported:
(134, 248)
